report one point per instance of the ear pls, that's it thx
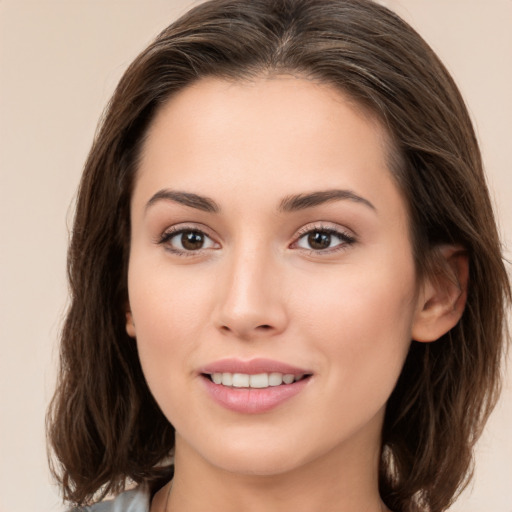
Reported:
(130, 324)
(443, 295)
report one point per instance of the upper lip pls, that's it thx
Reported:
(252, 367)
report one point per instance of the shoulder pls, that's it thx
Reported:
(135, 500)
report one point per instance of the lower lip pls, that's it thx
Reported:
(253, 400)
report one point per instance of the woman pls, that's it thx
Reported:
(287, 286)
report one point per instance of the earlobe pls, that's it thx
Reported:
(443, 296)
(130, 324)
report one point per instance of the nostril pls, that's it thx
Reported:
(247, 330)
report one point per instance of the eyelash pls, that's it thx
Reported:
(173, 232)
(346, 239)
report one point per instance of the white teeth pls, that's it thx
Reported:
(227, 379)
(275, 379)
(240, 380)
(288, 378)
(260, 380)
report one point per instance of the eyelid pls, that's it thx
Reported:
(347, 237)
(167, 234)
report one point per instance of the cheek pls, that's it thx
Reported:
(164, 301)
(169, 312)
(167, 333)
(362, 321)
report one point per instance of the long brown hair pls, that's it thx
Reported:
(103, 424)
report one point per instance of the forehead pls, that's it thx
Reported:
(298, 103)
(281, 134)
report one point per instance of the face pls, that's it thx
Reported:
(271, 282)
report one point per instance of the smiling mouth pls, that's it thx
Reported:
(257, 381)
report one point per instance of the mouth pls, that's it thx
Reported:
(255, 381)
(254, 386)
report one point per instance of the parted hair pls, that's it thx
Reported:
(104, 427)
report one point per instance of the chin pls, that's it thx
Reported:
(262, 455)
(257, 463)
(246, 452)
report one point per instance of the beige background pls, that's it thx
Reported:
(59, 62)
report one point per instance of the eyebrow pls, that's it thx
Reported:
(288, 204)
(186, 198)
(303, 201)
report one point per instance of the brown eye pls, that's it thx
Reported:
(319, 240)
(185, 241)
(324, 240)
(192, 240)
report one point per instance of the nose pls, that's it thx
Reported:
(252, 301)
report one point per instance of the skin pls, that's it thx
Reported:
(256, 288)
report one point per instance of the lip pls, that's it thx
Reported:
(252, 400)
(252, 367)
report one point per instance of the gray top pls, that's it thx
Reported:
(135, 500)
